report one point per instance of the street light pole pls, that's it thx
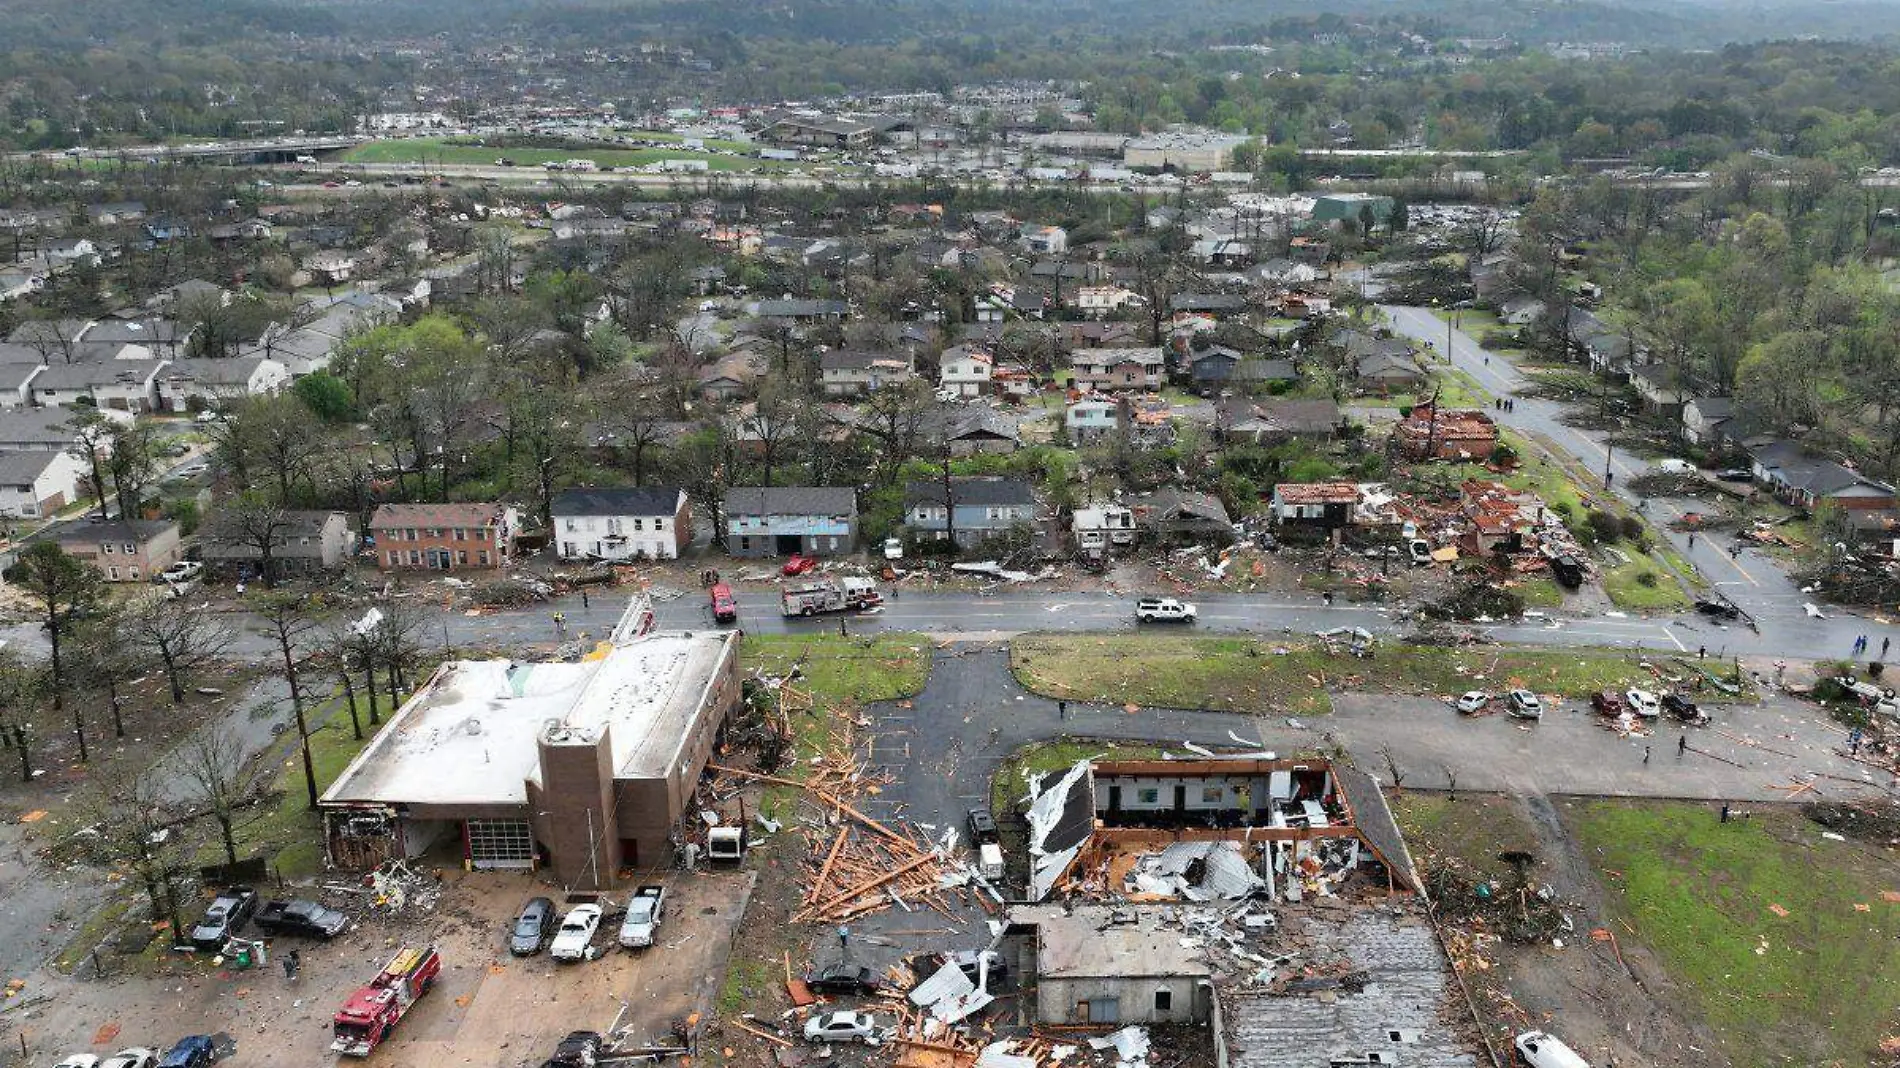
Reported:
(1609, 455)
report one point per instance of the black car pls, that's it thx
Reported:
(532, 928)
(982, 827)
(225, 918)
(1736, 474)
(1718, 609)
(841, 979)
(305, 918)
(1682, 708)
(580, 1049)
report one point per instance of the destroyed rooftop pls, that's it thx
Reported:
(1088, 942)
(469, 735)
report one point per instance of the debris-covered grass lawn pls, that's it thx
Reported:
(1244, 674)
(884, 667)
(1790, 942)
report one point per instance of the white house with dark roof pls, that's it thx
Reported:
(122, 385)
(37, 484)
(624, 523)
(208, 383)
(16, 382)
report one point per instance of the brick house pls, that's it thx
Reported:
(124, 550)
(443, 537)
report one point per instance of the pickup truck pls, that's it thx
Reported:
(1163, 610)
(305, 918)
(645, 909)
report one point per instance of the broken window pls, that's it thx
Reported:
(1148, 795)
(1164, 1001)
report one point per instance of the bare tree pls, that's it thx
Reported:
(64, 588)
(632, 421)
(132, 830)
(182, 638)
(896, 415)
(212, 761)
(92, 438)
(289, 620)
(132, 461)
(20, 687)
(110, 661)
(399, 644)
(278, 436)
(256, 522)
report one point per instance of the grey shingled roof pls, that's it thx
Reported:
(791, 500)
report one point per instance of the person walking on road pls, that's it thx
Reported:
(583, 599)
(1682, 745)
(292, 962)
(560, 625)
(1646, 754)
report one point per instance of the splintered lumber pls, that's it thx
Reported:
(761, 1032)
(827, 798)
(824, 873)
(859, 889)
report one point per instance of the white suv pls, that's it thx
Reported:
(1163, 610)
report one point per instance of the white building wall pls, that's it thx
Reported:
(578, 537)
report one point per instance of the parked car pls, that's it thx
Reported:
(576, 933)
(982, 826)
(133, 1057)
(225, 917)
(181, 572)
(1609, 702)
(193, 1051)
(1675, 467)
(1644, 703)
(843, 979)
(1540, 1050)
(893, 548)
(1736, 474)
(798, 564)
(531, 928)
(846, 1026)
(1524, 704)
(1473, 702)
(78, 1060)
(1164, 610)
(1718, 609)
(305, 918)
(1683, 709)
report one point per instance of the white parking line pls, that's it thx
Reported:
(1671, 635)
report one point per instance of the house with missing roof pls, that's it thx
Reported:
(1270, 900)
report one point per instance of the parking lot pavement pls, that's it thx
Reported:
(488, 1010)
(1742, 756)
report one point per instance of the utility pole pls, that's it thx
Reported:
(1609, 454)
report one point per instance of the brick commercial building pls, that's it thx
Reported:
(586, 768)
(443, 537)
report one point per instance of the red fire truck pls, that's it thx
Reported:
(371, 1013)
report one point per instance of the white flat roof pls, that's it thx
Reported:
(469, 736)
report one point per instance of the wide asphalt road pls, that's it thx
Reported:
(1018, 610)
(1752, 580)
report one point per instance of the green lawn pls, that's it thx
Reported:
(1816, 986)
(436, 150)
(1220, 673)
(1540, 593)
(885, 667)
(1628, 590)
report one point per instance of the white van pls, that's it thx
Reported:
(1540, 1050)
(1675, 467)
